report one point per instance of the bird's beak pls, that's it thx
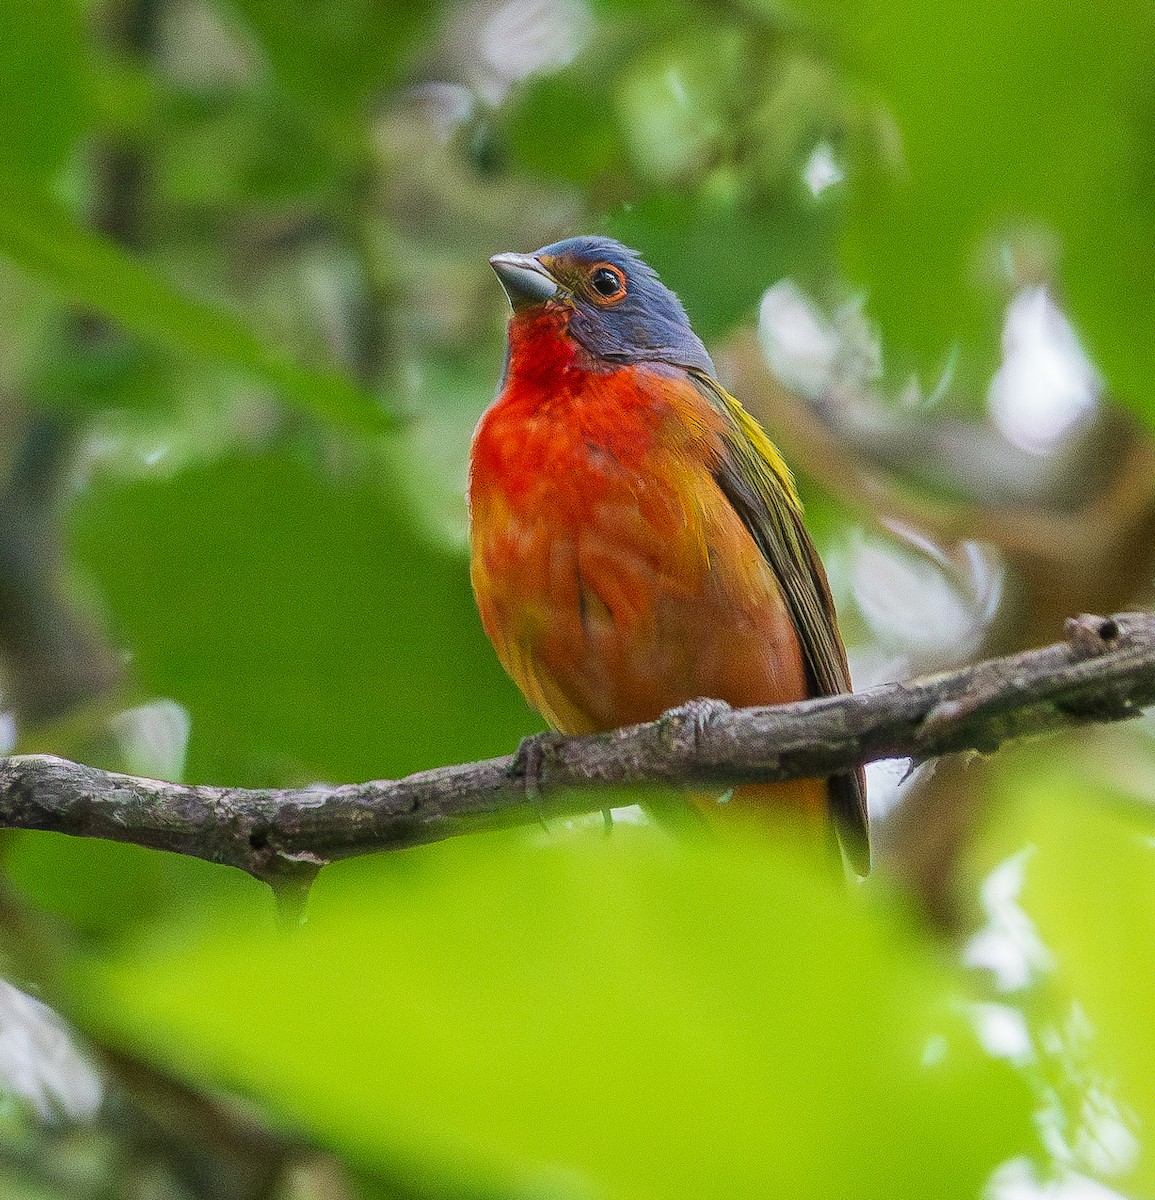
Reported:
(527, 283)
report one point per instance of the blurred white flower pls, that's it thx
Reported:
(922, 604)
(8, 732)
(822, 170)
(800, 344)
(1100, 1133)
(525, 37)
(810, 352)
(888, 781)
(1008, 945)
(1002, 1031)
(154, 738)
(1046, 387)
(446, 106)
(1019, 1180)
(40, 1064)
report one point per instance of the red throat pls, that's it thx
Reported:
(541, 351)
(562, 418)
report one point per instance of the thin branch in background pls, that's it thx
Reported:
(1068, 559)
(1105, 671)
(54, 656)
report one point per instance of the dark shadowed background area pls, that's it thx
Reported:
(246, 329)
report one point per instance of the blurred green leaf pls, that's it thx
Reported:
(677, 102)
(239, 149)
(102, 888)
(802, 107)
(563, 127)
(307, 628)
(1007, 116)
(621, 1017)
(41, 86)
(428, 460)
(125, 98)
(41, 237)
(333, 53)
(105, 373)
(1090, 889)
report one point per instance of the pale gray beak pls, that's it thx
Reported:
(527, 283)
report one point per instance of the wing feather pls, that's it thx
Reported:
(754, 478)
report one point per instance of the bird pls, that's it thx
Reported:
(636, 539)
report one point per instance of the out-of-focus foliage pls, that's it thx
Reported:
(1069, 914)
(40, 238)
(605, 1017)
(43, 87)
(306, 557)
(1002, 123)
(246, 329)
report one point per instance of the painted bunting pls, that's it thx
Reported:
(636, 538)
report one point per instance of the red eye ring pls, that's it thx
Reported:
(607, 282)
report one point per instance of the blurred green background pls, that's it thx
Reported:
(246, 329)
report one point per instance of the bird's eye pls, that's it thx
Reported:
(608, 282)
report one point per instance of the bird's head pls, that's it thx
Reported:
(614, 304)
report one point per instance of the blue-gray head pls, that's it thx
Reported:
(620, 310)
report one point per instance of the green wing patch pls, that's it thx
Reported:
(754, 478)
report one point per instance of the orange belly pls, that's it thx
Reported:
(645, 593)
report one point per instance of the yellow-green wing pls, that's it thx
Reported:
(756, 481)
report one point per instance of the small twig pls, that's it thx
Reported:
(1104, 672)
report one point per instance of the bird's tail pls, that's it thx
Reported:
(758, 807)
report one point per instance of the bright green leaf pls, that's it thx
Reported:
(1089, 888)
(621, 1017)
(101, 888)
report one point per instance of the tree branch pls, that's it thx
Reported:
(1105, 671)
